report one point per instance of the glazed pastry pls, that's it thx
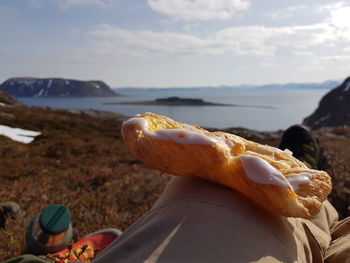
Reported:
(272, 178)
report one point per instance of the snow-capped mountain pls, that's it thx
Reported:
(55, 87)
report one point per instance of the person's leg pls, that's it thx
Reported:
(198, 221)
(339, 249)
(305, 146)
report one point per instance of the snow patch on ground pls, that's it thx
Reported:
(28, 82)
(347, 87)
(50, 83)
(17, 134)
(40, 93)
(322, 119)
(96, 85)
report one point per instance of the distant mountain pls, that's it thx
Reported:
(333, 109)
(56, 87)
(295, 86)
(299, 86)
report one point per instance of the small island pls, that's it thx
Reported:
(177, 101)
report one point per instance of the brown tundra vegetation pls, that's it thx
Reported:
(79, 161)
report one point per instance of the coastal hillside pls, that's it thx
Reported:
(56, 87)
(79, 160)
(333, 109)
(7, 99)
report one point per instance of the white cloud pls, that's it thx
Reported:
(142, 43)
(310, 9)
(335, 63)
(301, 53)
(107, 40)
(335, 58)
(199, 10)
(336, 21)
(340, 17)
(269, 64)
(330, 7)
(286, 12)
(260, 40)
(298, 40)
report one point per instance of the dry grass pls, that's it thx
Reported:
(336, 144)
(79, 161)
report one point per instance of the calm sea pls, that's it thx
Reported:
(289, 106)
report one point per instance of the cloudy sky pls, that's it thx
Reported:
(166, 43)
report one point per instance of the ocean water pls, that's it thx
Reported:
(288, 106)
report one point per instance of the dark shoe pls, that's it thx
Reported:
(304, 145)
(7, 209)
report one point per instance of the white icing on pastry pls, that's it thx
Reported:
(260, 171)
(182, 136)
(142, 123)
(297, 179)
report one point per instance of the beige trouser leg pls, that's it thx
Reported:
(339, 249)
(198, 221)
